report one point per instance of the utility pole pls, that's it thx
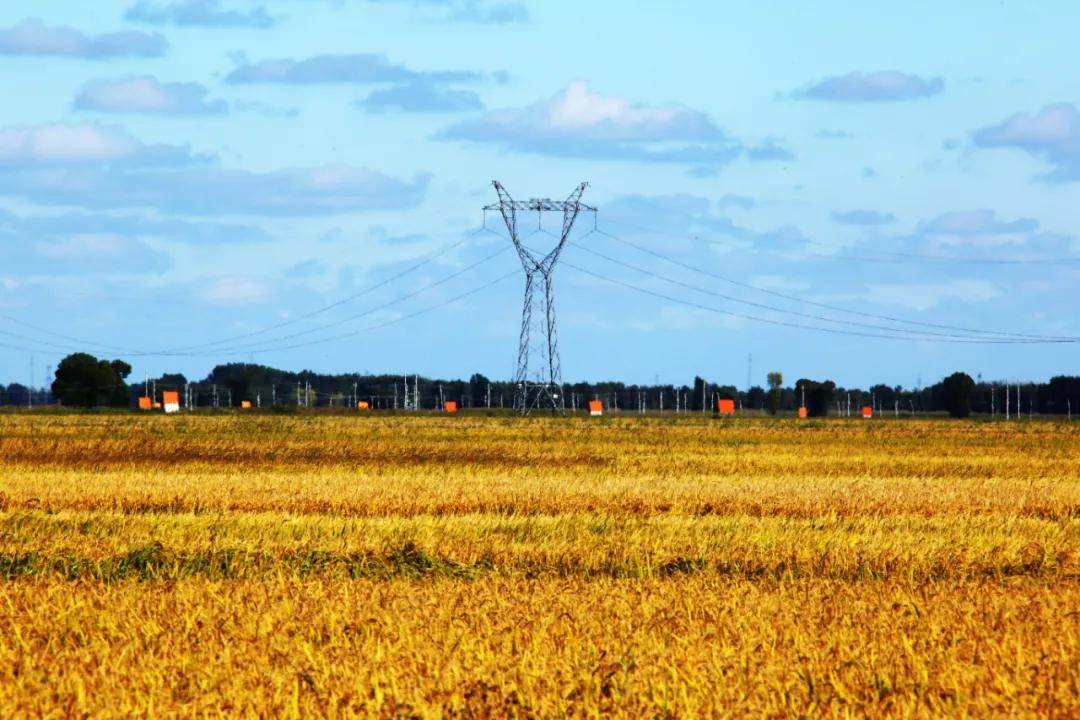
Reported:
(442, 399)
(1006, 399)
(215, 397)
(30, 388)
(538, 376)
(230, 397)
(258, 399)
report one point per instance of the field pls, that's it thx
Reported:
(490, 567)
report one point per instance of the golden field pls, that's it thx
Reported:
(399, 566)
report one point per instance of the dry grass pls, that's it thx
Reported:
(425, 566)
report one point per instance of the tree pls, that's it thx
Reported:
(699, 399)
(478, 388)
(776, 388)
(84, 381)
(755, 398)
(818, 395)
(956, 394)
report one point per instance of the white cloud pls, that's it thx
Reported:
(881, 86)
(926, 296)
(33, 37)
(1053, 134)
(237, 290)
(147, 95)
(97, 167)
(977, 228)
(578, 122)
(204, 13)
(64, 143)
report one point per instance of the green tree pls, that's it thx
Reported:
(818, 395)
(956, 394)
(776, 389)
(82, 380)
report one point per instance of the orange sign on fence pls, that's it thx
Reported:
(725, 407)
(170, 399)
(449, 406)
(803, 413)
(363, 405)
(245, 404)
(596, 407)
(145, 403)
(867, 412)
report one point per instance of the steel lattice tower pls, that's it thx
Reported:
(538, 379)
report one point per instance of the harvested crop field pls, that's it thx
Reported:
(492, 566)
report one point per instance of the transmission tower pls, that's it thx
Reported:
(538, 379)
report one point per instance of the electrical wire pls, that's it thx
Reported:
(902, 257)
(318, 311)
(770, 321)
(852, 323)
(43, 331)
(835, 308)
(388, 323)
(255, 347)
(181, 351)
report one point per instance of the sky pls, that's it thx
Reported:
(866, 192)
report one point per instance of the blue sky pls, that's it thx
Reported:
(176, 173)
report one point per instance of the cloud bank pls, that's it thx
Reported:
(204, 13)
(149, 96)
(32, 37)
(1052, 134)
(881, 86)
(578, 122)
(98, 167)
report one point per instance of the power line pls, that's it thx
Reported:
(906, 258)
(902, 257)
(853, 323)
(43, 331)
(834, 331)
(318, 311)
(834, 308)
(180, 351)
(354, 333)
(255, 347)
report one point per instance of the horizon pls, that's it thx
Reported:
(182, 175)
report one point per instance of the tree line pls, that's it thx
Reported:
(82, 380)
